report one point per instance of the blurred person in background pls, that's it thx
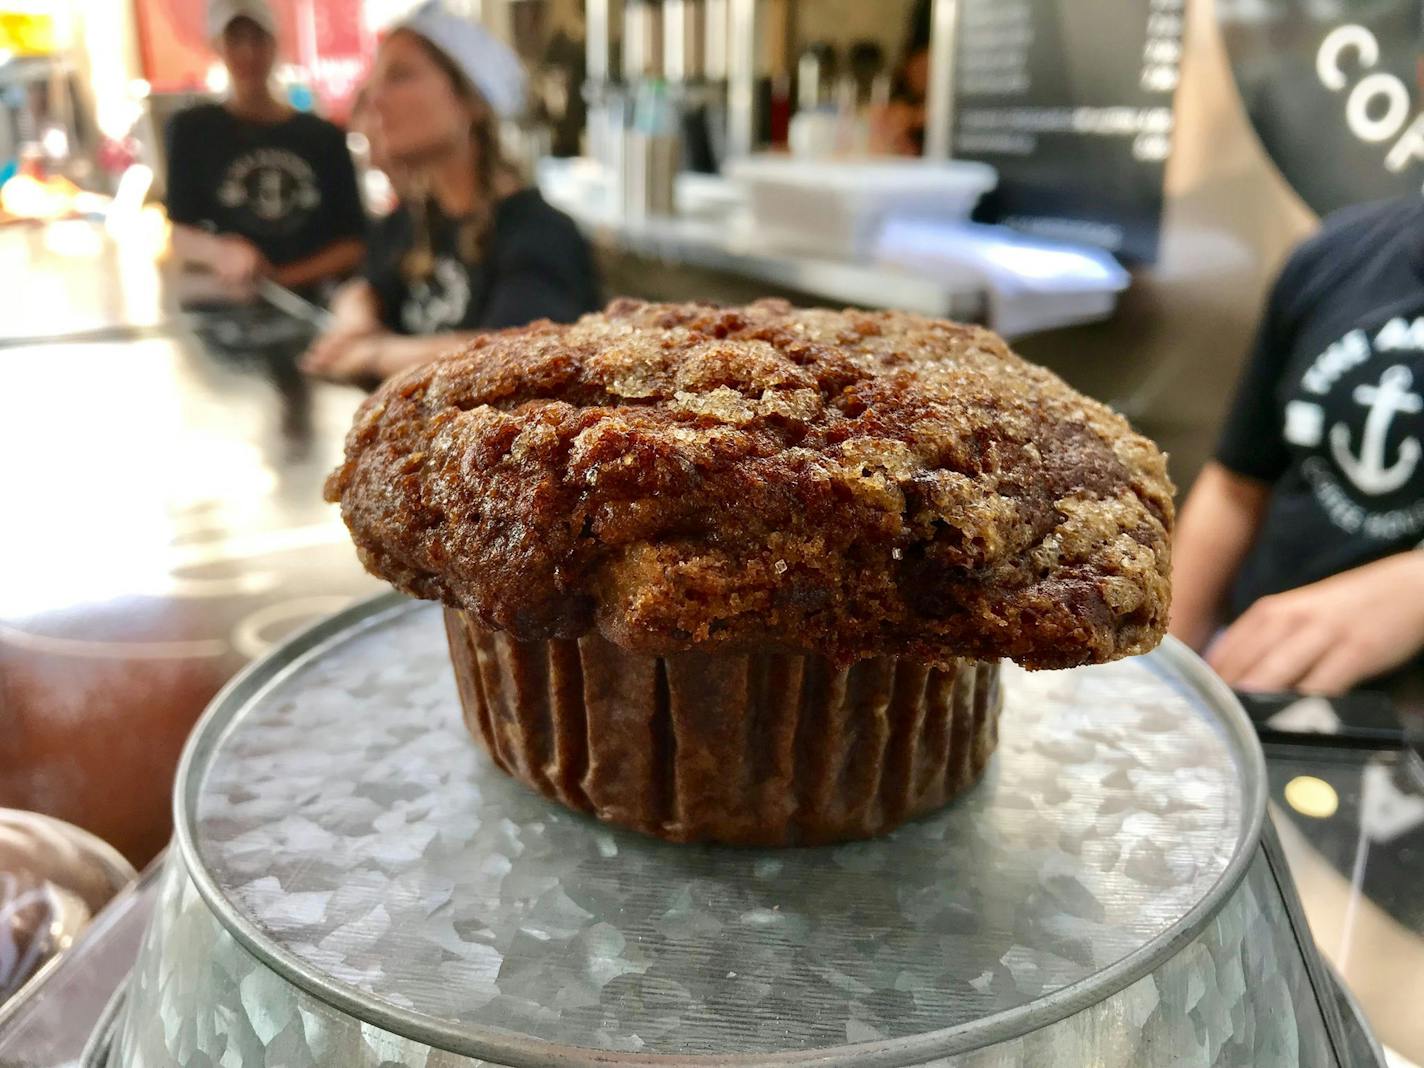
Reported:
(898, 128)
(470, 247)
(256, 189)
(1303, 537)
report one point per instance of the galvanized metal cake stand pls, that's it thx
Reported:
(353, 883)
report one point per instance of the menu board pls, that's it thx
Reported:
(1072, 102)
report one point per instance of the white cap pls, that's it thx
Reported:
(489, 64)
(221, 13)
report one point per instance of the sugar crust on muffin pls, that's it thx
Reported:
(842, 483)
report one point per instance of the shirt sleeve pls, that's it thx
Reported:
(1251, 443)
(546, 272)
(183, 197)
(345, 214)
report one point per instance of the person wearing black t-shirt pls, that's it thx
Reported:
(1302, 536)
(468, 249)
(256, 189)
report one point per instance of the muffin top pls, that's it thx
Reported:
(683, 476)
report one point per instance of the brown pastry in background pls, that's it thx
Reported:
(745, 574)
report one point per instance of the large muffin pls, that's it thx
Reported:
(690, 552)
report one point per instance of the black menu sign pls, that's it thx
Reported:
(1071, 100)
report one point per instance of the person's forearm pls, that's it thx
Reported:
(335, 261)
(409, 351)
(195, 248)
(366, 357)
(355, 308)
(1215, 530)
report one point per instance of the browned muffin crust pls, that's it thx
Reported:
(845, 483)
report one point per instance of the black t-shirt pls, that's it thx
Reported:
(1330, 408)
(289, 187)
(534, 265)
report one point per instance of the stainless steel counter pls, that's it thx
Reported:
(163, 523)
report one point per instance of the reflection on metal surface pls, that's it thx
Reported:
(54, 1025)
(1312, 797)
(1234, 997)
(73, 238)
(197, 648)
(231, 548)
(251, 637)
(54, 878)
(1360, 892)
(354, 883)
(1135, 807)
(1414, 750)
(164, 493)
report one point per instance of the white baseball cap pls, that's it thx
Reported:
(221, 14)
(489, 64)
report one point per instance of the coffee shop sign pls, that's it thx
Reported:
(1378, 105)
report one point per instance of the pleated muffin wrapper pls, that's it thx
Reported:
(760, 748)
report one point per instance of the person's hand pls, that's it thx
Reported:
(238, 263)
(353, 355)
(1331, 635)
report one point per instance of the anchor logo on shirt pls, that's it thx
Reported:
(439, 302)
(1368, 471)
(271, 184)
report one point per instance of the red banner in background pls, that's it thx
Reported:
(325, 42)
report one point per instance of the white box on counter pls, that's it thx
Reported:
(835, 208)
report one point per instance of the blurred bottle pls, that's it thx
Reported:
(814, 131)
(866, 62)
(654, 151)
(815, 75)
(780, 110)
(852, 123)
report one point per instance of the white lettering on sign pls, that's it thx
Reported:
(1408, 148)
(1378, 107)
(1372, 88)
(1336, 43)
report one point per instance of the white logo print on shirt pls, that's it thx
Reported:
(1368, 472)
(271, 183)
(439, 302)
(1352, 462)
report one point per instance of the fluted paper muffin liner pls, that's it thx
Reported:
(760, 748)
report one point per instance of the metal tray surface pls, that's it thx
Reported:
(338, 821)
(1238, 995)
